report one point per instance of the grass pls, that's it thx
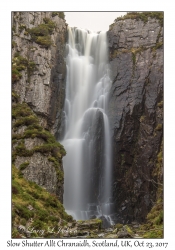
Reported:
(60, 14)
(15, 96)
(24, 116)
(154, 225)
(24, 165)
(143, 16)
(27, 120)
(46, 210)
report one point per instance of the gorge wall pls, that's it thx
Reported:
(136, 113)
(38, 86)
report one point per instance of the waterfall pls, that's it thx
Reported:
(87, 165)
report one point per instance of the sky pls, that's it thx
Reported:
(94, 21)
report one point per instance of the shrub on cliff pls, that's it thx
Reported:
(60, 14)
(20, 63)
(41, 33)
(142, 16)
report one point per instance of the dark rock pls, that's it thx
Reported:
(134, 113)
(42, 89)
(125, 235)
(105, 222)
(89, 224)
(93, 217)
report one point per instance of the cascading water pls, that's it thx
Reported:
(87, 165)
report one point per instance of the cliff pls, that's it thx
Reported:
(38, 67)
(38, 80)
(136, 113)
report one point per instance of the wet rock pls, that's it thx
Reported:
(105, 222)
(94, 224)
(93, 217)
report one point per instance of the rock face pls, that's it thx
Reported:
(38, 78)
(136, 114)
(43, 87)
(42, 172)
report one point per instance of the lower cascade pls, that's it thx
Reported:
(87, 165)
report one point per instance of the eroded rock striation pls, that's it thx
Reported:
(136, 114)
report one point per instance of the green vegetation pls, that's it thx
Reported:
(23, 165)
(154, 225)
(15, 97)
(42, 33)
(118, 226)
(27, 120)
(142, 16)
(159, 127)
(22, 27)
(14, 28)
(20, 63)
(134, 51)
(134, 58)
(157, 46)
(160, 104)
(122, 159)
(14, 44)
(34, 207)
(24, 116)
(142, 118)
(60, 14)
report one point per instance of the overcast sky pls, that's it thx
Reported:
(94, 21)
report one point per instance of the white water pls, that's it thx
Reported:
(87, 126)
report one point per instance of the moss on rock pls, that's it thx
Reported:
(34, 207)
(24, 116)
(42, 33)
(143, 16)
